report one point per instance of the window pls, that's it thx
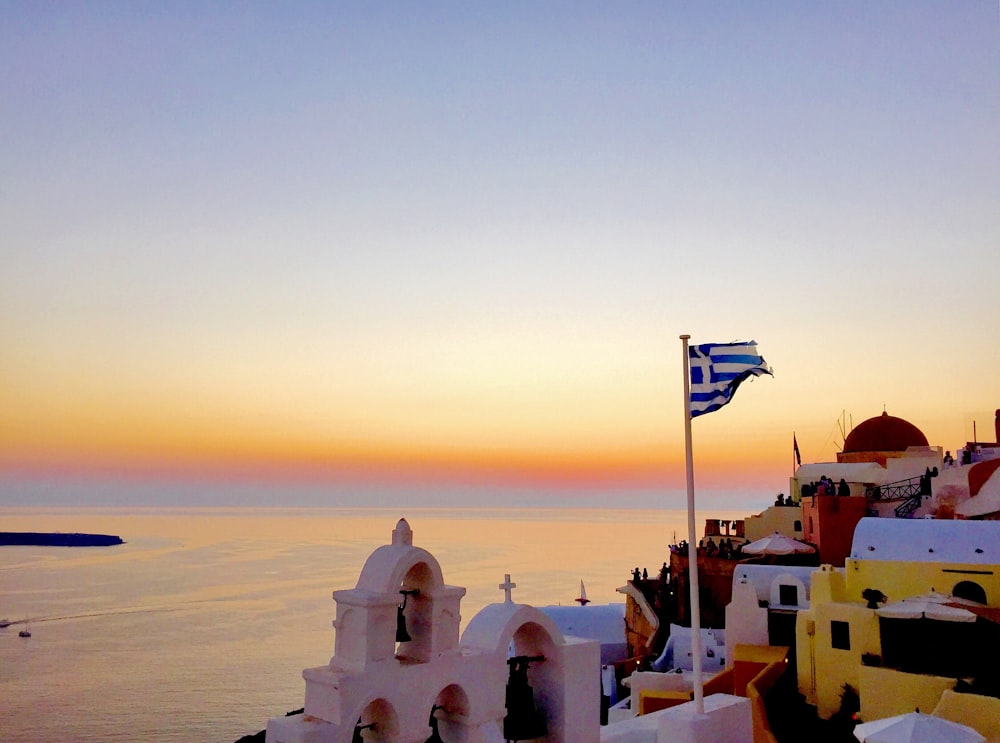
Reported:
(788, 595)
(797, 526)
(840, 635)
(970, 590)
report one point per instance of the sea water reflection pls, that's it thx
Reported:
(198, 628)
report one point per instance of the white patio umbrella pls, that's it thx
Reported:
(931, 605)
(916, 727)
(777, 544)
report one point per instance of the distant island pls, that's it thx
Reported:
(56, 539)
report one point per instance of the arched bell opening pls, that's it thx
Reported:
(532, 638)
(449, 716)
(414, 614)
(378, 723)
(533, 680)
(970, 590)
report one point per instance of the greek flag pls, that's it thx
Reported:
(717, 369)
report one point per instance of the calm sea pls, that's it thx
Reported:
(199, 627)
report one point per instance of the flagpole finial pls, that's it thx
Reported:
(685, 337)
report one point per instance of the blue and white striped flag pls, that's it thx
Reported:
(717, 369)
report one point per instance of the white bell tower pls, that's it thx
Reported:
(384, 688)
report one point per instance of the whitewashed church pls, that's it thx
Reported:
(400, 673)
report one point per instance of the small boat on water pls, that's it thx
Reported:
(5, 623)
(24, 633)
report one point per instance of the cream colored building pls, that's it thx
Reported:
(785, 520)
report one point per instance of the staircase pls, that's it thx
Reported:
(906, 508)
(911, 491)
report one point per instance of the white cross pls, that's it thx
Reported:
(506, 586)
(705, 364)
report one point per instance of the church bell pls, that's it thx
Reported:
(523, 721)
(401, 634)
(433, 723)
(356, 738)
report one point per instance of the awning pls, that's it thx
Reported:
(984, 502)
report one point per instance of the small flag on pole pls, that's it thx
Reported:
(717, 369)
(795, 447)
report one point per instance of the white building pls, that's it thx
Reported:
(381, 687)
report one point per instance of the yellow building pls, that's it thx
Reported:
(896, 657)
(784, 519)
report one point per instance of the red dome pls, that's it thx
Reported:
(884, 433)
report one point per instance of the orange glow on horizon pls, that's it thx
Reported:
(563, 440)
(648, 467)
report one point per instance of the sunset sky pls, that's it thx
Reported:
(447, 246)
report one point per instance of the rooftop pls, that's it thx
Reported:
(884, 433)
(926, 540)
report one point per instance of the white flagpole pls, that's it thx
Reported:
(699, 700)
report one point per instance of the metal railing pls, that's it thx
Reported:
(899, 490)
(911, 492)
